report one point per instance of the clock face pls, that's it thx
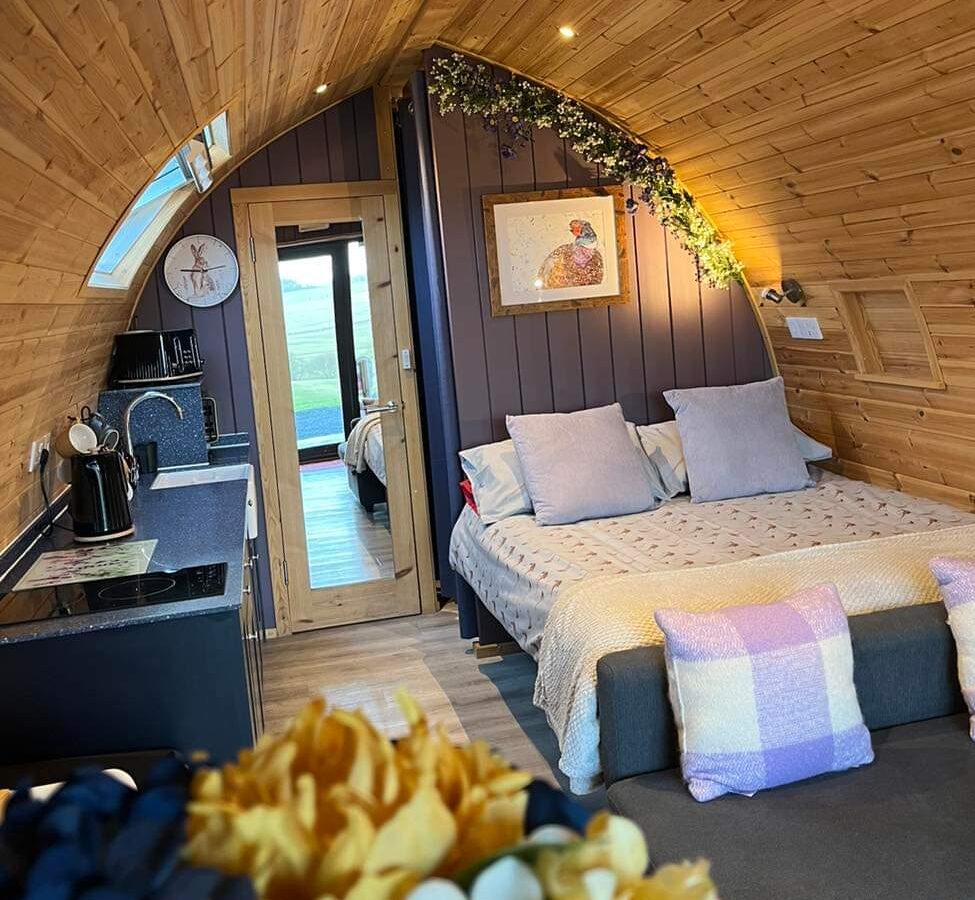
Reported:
(201, 270)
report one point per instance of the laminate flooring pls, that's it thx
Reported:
(361, 666)
(345, 543)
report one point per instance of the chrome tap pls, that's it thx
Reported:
(127, 426)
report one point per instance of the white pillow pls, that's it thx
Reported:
(665, 437)
(497, 481)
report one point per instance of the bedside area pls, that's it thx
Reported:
(100, 679)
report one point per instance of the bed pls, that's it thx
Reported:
(574, 579)
(365, 461)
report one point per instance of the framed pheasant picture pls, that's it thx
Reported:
(559, 249)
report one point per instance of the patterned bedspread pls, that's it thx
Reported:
(517, 568)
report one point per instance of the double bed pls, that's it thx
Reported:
(575, 576)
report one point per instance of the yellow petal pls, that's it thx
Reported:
(346, 857)
(418, 836)
(390, 886)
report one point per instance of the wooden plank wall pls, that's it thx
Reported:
(829, 139)
(337, 145)
(94, 97)
(673, 333)
(918, 440)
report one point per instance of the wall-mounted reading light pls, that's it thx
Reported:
(791, 291)
(567, 31)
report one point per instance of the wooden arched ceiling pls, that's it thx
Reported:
(828, 138)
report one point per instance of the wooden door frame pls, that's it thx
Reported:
(388, 192)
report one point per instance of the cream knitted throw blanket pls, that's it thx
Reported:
(601, 615)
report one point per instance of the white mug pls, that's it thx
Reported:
(76, 438)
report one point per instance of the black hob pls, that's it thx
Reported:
(84, 597)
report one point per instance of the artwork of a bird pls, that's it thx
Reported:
(574, 265)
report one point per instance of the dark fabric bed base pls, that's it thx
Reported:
(369, 490)
(898, 828)
(489, 629)
(905, 669)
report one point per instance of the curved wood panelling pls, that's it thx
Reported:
(829, 138)
(94, 97)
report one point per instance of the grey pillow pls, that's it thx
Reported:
(581, 465)
(738, 441)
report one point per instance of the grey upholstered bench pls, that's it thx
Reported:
(901, 827)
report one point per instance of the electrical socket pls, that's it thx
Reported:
(36, 448)
(804, 328)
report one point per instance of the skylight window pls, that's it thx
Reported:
(187, 171)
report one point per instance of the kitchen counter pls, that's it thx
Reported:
(183, 675)
(193, 525)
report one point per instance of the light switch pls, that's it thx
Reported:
(804, 328)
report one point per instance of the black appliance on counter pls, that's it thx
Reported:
(153, 357)
(99, 501)
(81, 597)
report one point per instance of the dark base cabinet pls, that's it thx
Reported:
(181, 684)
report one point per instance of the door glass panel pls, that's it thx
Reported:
(342, 460)
(365, 353)
(309, 317)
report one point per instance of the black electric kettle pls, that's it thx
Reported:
(99, 502)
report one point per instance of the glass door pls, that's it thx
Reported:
(331, 354)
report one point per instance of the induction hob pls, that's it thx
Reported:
(85, 597)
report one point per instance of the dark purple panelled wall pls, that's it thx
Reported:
(338, 145)
(674, 332)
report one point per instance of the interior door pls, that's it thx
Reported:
(340, 567)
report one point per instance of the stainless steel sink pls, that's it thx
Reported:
(208, 475)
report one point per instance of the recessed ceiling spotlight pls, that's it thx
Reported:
(567, 31)
(321, 88)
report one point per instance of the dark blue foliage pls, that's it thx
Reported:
(96, 839)
(549, 806)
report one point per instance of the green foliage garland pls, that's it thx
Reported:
(517, 105)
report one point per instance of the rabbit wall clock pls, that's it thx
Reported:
(201, 270)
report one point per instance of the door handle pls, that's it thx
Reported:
(392, 406)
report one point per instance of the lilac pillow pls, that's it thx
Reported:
(581, 465)
(957, 580)
(738, 440)
(764, 695)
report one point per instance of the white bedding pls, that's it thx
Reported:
(520, 570)
(517, 568)
(365, 446)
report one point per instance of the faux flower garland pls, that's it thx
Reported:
(517, 105)
(331, 810)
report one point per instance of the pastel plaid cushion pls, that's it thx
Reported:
(957, 580)
(764, 695)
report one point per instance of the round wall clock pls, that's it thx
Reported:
(201, 270)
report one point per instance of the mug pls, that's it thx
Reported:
(76, 438)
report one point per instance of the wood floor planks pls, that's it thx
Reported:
(361, 666)
(345, 543)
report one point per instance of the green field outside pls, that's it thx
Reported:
(310, 326)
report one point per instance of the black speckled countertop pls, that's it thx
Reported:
(193, 525)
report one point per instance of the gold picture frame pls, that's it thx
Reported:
(557, 249)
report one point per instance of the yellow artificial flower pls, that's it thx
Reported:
(332, 808)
